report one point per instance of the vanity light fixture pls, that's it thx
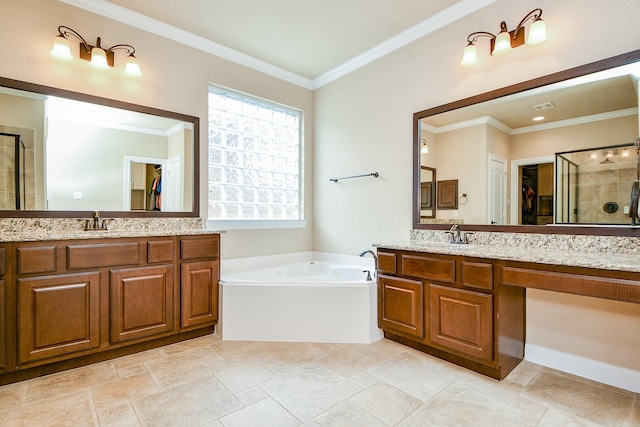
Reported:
(424, 149)
(507, 40)
(100, 58)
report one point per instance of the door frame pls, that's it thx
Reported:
(515, 185)
(497, 159)
(128, 159)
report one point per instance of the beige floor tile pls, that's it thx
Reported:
(251, 395)
(591, 402)
(635, 414)
(523, 373)
(282, 357)
(181, 346)
(186, 366)
(125, 422)
(556, 418)
(72, 410)
(421, 377)
(345, 415)
(459, 406)
(67, 382)
(386, 403)
(116, 413)
(348, 363)
(121, 391)
(236, 352)
(138, 359)
(309, 390)
(264, 412)
(244, 376)
(364, 380)
(503, 391)
(187, 404)
(11, 396)
(412, 421)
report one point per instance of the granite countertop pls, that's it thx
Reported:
(43, 235)
(606, 261)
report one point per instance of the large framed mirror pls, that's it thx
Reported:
(68, 154)
(522, 153)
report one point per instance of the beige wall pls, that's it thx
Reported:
(175, 79)
(366, 115)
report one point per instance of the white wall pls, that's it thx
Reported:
(175, 79)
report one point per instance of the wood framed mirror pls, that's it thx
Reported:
(475, 140)
(68, 154)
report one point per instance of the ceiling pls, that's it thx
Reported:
(307, 42)
(592, 97)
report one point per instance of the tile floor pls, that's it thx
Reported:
(207, 382)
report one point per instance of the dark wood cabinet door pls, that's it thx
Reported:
(400, 305)
(462, 321)
(57, 315)
(3, 326)
(199, 293)
(141, 302)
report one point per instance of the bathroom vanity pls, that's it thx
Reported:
(466, 303)
(69, 302)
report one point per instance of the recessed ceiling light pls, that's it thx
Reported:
(537, 119)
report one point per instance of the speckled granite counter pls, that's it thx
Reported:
(40, 229)
(540, 255)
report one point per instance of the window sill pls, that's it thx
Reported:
(254, 224)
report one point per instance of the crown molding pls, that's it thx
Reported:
(143, 22)
(577, 121)
(429, 25)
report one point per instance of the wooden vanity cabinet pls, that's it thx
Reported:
(81, 301)
(452, 307)
(199, 277)
(3, 307)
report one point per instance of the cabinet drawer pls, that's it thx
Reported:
(401, 305)
(387, 262)
(200, 248)
(462, 321)
(579, 284)
(36, 259)
(430, 268)
(477, 275)
(102, 255)
(159, 251)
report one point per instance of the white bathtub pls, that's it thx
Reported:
(310, 296)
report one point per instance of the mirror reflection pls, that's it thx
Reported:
(71, 155)
(557, 154)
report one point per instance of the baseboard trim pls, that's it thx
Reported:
(624, 378)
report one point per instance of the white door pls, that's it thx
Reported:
(497, 190)
(172, 185)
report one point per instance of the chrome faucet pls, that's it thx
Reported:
(96, 224)
(457, 236)
(375, 259)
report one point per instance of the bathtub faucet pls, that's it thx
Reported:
(375, 259)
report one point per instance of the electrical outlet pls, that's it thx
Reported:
(77, 195)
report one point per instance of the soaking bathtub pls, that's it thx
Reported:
(303, 297)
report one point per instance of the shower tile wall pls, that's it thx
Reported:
(601, 183)
(7, 168)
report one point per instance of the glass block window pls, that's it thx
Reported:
(253, 157)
